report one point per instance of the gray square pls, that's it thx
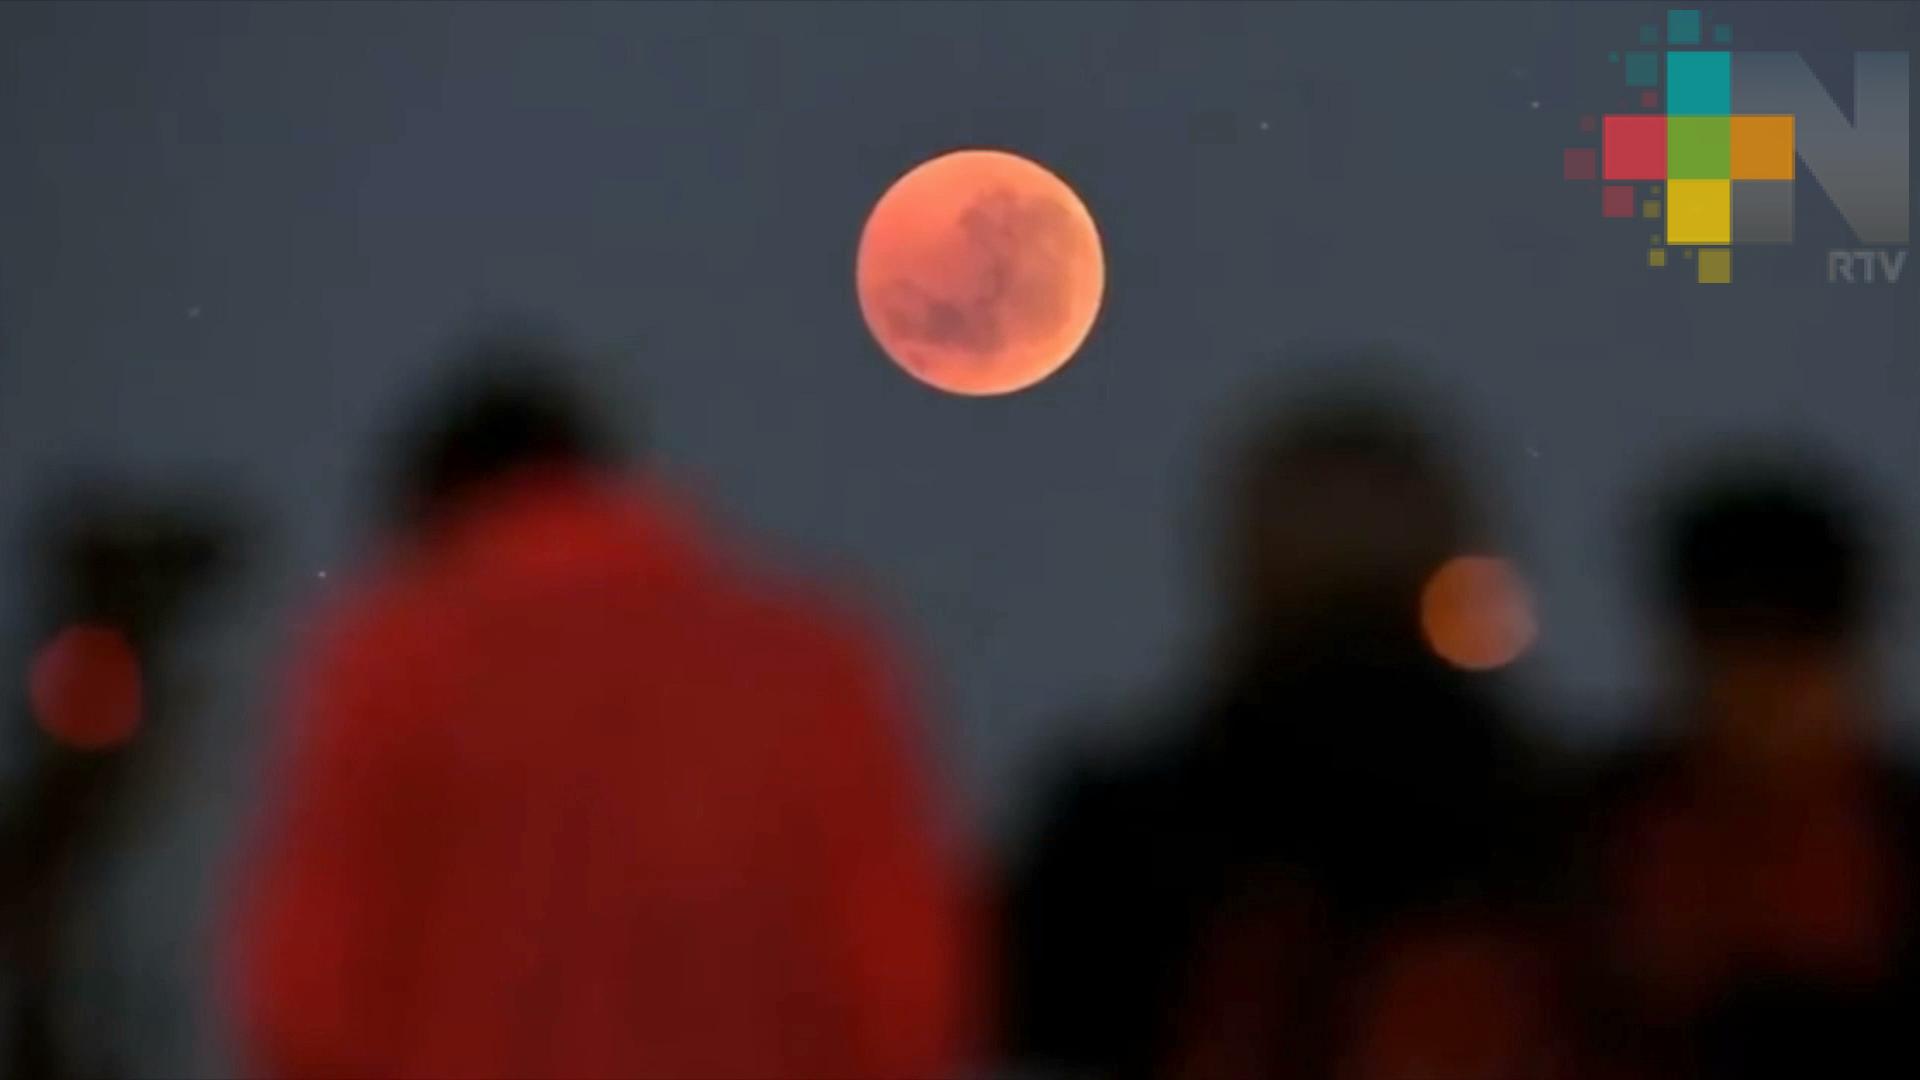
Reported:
(1763, 211)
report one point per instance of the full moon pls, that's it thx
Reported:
(980, 273)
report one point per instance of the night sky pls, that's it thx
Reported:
(234, 236)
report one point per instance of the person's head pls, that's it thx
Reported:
(133, 559)
(1767, 573)
(1340, 510)
(507, 408)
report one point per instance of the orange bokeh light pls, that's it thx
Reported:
(1477, 613)
(85, 687)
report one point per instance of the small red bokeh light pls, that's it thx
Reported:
(85, 687)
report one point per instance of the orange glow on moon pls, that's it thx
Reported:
(1477, 613)
(980, 273)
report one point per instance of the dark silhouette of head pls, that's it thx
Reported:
(130, 559)
(1767, 569)
(506, 408)
(1766, 549)
(1341, 508)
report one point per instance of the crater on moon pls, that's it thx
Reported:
(1023, 289)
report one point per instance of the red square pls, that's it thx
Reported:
(1578, 164)
(1616, 200)
(1636, 147)
(1649, 99)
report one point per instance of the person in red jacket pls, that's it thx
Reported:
(572, 792)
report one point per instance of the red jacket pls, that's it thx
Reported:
(567, 794)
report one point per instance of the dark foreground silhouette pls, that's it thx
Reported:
(1338, 828)
(1749, 878)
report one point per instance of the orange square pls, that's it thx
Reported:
(1762, 148)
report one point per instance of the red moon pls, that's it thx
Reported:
(980, 273)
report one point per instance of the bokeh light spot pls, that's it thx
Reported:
(1477, 613)
(85, 687)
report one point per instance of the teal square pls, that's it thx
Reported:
(1683, 27)
(1699, 147)
(1699, 83)
(1643, 69)
(1649, 34)
(1722, 34)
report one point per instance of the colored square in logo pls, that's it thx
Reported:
(1716, 266)
(1722, 34)
(1650, 208)
(1762, 148)
(1657, 257)
(1616, 200)
(1579, 163)
(1633, 147)
(1699, 83)
(1699, 147)
(1643, 69)
(1683, 27)
(1699, 212)
(1763, 212)
(1649, 99)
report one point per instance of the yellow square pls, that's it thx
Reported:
(1650, 208)
(1716, 266)
(1699, 212)
(1762, 148)
(1657, 257)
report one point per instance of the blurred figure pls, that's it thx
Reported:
(121, 573)
(1756, 871)
(571, 792)
(1316, 876)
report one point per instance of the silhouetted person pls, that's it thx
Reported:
(1337, 810)
(118, 574)
(1755, 871)
(570, 791)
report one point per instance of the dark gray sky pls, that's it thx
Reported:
(234, 233)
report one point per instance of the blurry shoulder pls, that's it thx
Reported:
(799, 621)
(381, 615)
(1120, 785)
(1624, 774)
(1900, 778)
